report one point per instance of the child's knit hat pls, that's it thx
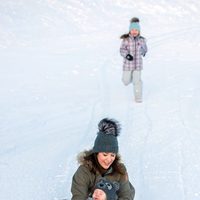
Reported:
(110, 188)
(134, 24)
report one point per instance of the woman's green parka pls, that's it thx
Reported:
(88, 174)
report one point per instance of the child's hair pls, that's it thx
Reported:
(126, 35)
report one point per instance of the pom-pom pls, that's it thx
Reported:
(134, 19)
(109, 126)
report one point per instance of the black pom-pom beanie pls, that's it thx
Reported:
(106, 140)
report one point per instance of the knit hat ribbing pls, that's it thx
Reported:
(134, 25)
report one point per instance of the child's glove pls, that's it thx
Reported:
(129, 57)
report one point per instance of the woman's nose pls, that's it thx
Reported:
(109, 159)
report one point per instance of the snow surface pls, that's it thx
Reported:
(60, 74)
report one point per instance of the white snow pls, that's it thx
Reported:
(60, 73)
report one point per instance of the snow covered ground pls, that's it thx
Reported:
(60, 74)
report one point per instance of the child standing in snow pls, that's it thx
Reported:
(105, 190)
(102, 160)
(133, 48)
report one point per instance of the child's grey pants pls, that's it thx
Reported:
(134, 76)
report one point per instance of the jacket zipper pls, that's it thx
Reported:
(135, 52)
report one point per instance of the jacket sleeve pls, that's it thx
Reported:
(126, 191)
(124, 48)
(80, 184)
(144, 47)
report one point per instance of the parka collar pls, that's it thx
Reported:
(134, 38)
(109, 171)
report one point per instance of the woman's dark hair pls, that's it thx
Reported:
(92, 158)
(116, 165)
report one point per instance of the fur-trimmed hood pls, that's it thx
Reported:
(86, 158)
(127, 35)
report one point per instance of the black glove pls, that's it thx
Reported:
(129, 57)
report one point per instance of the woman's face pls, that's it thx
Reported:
(134, 32)
(106, 159)
(99, 195)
